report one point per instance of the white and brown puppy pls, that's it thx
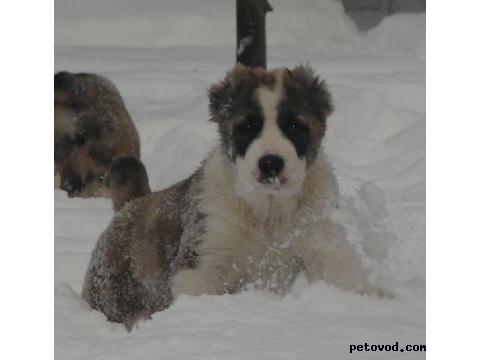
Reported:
(255, 212)
(92, 126)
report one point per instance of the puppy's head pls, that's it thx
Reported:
(271, 124)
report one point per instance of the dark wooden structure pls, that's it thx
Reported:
(251, 38)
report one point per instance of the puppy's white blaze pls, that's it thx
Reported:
(270, 142)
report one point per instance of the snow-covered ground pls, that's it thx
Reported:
(163, 56)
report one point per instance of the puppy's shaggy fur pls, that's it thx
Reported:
(92, 126)
(127, 179)
(255, 212)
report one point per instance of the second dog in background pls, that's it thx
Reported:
(92, 126)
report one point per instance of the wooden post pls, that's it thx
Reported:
(251, 39)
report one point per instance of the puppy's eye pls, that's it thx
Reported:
(250, 125)
(293, 126)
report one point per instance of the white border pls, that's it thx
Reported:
(27, 234)
(453, 179)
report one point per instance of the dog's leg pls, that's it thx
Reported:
(198, 281)
(337, 262)
(125, 280)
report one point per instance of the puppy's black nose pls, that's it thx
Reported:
(271, 165)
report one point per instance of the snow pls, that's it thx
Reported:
(163, 56)
(243, 44)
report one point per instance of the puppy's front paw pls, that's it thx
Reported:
(133, 320)
(377, 292)
(196, 282)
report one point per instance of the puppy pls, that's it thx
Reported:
(255, 212)
(92, 126)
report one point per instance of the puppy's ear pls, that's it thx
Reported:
(226, 95)
(305, 88)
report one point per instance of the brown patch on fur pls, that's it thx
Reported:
(92, 126)
(264, 77)
(235, 93)
(127, 179)
(307, 92)
(128, 277)
(309, 99)
(233, 98)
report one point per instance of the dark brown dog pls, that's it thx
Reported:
(92, 126)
